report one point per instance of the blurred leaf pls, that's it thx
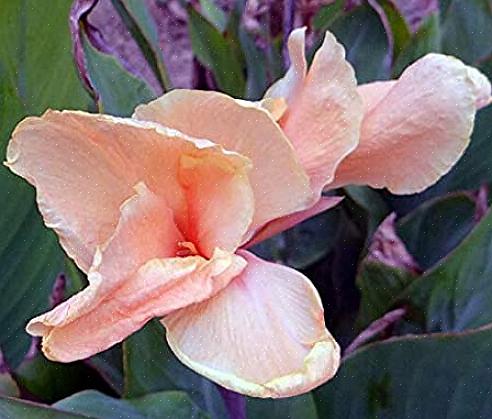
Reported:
(456, 294)
(11, 408)
(50, 381)
(214, 14)
(119, 91)
(150, 366)
(304, 244)
(467, 30)
(257, 79)
(168, 404)
(364, 38)
(399, 29)
(36, 72)
(380, 286)
(138, 20)
(432, 376)
(8, 386)
(302, 407)
(435, 228)
(327, 14)
(109, 365)
(373, 207)
(216, 52)
(426, 39)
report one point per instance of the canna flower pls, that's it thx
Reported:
(158, 209)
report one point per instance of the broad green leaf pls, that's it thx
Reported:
(8, 386)
(150, 366)
(214, 14)
(119, 91)
(36, 73)
(426, 39)
(380, 287)
(467, 30)
(50, 381)
(364, 38)
(302, 407)
(456, 294)
(399, 28)
(168, 404)
(11, 408)
(109, 365)
(414, 377)
(138, 20)
(303, 244)
(435, 228)
(216, 52)
(327, 14)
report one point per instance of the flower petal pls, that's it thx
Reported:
(415, 129)
(132, 280)
(263, 335)
(324, 110)
(281, 224)
(279, 183)
(84, 166)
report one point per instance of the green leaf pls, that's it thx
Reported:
(36, 72)
(365, 41)
(415, 377)
(169, 404)
(119, 91)
(399, 28)
(214, 14)
(456, 294)
(216, 52)
(50, 381)
(139, 22)
(8, 386)
(12, 408)
(426, 39)
(290, 407)
(467, 30)
(109, 365)
(435, 228)
(150, 366)
(327, 14)
(380, 287)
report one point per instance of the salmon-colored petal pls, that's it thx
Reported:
(279, 183)
(263, 335)
(84, 166)
(156, 289)
(281, 224)
(220, 201)
(415, 129)
(288, 86)
(146, 230)
(324, 110)
(134, 278)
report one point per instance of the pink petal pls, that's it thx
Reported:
(84, 167)
(281, 224)
(263, 335)
(324, 110)
(279, 183)
(415, 129)
(133, 279)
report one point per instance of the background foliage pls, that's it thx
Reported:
(427, 347)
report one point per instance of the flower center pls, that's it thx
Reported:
(186, 249)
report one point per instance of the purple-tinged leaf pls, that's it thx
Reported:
(235, 403)
(416, 11)
(386, 247)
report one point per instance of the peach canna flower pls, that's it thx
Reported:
(158, 209)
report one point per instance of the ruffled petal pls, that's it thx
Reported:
(324, 109)
(279, 183)
(84, 166)
(415, 129)
(263, 335)
(281, 224)
(133, 279)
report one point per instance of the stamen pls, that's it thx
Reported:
(186, 249)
